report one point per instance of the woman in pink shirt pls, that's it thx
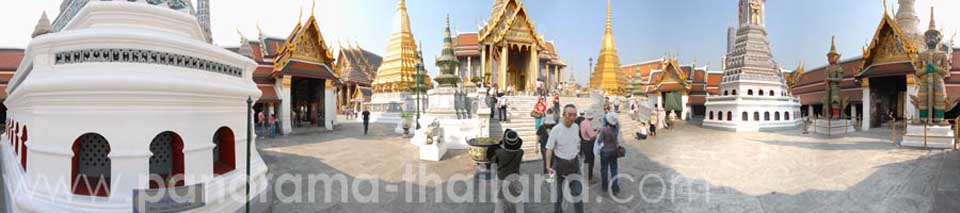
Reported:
(588, 134)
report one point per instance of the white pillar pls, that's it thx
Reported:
(483, 65)
(329, 113)
(810, 112)
(909, 110)
(867, 108)
(285, 101)
(686, 109)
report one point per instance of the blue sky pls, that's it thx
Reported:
(644, 29)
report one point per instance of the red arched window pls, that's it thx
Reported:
(16, 139)
(166, 161)
(224, 153)
(90, 169)
(23, 149)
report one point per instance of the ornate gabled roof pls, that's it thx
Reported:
(509, 16)
(793, 78)
(306, 47)
(889, 45)
(673, 73)
(356, 65)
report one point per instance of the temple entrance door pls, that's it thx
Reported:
(307, 103)
(887, 95)
(672, 101)
(518, 64)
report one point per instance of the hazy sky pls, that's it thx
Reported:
(644, 29)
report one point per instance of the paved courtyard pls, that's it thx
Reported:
(685, 169)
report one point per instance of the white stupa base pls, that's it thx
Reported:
(456, 131)
(833, 127)
(737, 105)
(938, 137)
(429, 152)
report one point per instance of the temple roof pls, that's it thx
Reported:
(509, 16)
(607, 75)
(356, 65)
(306, 52)
(889, 45)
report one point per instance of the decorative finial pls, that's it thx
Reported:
(884, 7)
(313, 7)
(933, 25)
(43, 26)
(833, 46)
(300, 17)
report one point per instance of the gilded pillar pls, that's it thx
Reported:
(483, 65)
(502, 71)
(534, 71)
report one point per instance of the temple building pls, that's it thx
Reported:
(296, 76)
(357, 68)
(116, 101)
(880, 81)
(467, 49)
(753, 84)
(607, 76)
(398, 77)
(677, 88)
(511, 53)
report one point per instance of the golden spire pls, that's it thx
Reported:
(606, 75)
(396, 73)
(313, 7)
(833, 46)
(933, 24)
(300, 16)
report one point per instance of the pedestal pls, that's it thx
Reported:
(433, 151)
(833, 126)
(938, 137)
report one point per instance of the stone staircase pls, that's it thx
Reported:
(519, 120)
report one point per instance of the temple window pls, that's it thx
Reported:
(729, 116)
(756, 116)
(786, 115)
(90, 168)
(719, 116)
(711, 115)
(166, 161)
(745, 116)
(23, 149)
(750, 92)
(725, 93)
(772, 93)
(776, 116)
(734, 92)
(766, 116)
(224, 159)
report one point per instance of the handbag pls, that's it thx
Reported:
(598, 144)
(621, 152)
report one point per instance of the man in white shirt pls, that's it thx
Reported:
(564, 143)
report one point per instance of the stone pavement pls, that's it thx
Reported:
(685, 169)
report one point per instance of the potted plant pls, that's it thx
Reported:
(406, 122)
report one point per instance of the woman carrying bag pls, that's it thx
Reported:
(608, 147)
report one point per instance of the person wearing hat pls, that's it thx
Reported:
(610, 140)
(543, 133)
(508, 158)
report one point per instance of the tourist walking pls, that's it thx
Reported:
(588, 133)
(563, 146)
(543, 133)
(654, 117)
(261, 124)
(366, 121)
(556, 107)
(610, 140)
(273, 125)
(502, 102)
(492, 100)
(539, 109)
(508, 158)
